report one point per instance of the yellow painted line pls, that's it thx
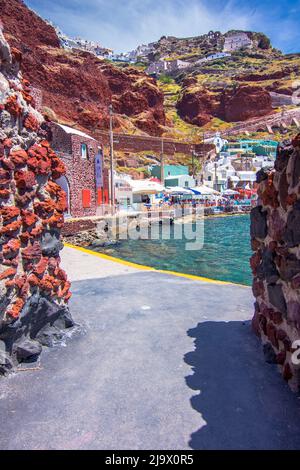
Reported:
(197, 278)
(149, 268)
(110, 258)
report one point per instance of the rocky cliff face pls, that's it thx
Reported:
(275, 234)
(231, 105)
(34, 290)
(245, 102)
(77, 86)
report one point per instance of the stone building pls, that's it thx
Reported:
(157, 67)
(165, 66)
(83, 183)
(237, 41)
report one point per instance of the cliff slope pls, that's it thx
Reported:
(77, 86)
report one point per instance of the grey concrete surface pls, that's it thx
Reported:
(161, 363)
(81, 265)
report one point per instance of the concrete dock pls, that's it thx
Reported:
(161, 362)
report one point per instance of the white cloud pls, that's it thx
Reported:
(123, 25)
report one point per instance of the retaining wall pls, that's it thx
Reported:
(275, 234)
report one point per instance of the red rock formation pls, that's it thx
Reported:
(231, 105)
(197, 107)
(76, 85)
(244, 103)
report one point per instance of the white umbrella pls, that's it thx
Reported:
(178, 190)
(205, 190)
(230, 192)
(146, 187)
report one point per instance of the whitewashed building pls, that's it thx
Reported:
(217, 55)
(237, 41)
(165, 66)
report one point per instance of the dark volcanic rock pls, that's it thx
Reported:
(37, 313)
(267, 269)
(28, 350)
(258, 227)
(284, 152)
(262, 175)
(292, 233)
(289, 267)
(276, 297)
(269, 353)
(295, 169)
(50, 336)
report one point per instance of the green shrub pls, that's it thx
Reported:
(165, 79)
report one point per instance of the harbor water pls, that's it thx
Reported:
(224, 256)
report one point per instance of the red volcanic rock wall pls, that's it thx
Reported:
(275, 234)
(34, 290)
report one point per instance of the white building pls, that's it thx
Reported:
(217, 55)
(93, 47)
(260, 162)
(183, 181)
(160, 66)
(141, 52)
(164, 66)
(123, 192)
(237, 41)
(219, 173)
(178, 64)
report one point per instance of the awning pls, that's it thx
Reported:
(229, 192)
(146, 187)
(204, 190)
(178, 190)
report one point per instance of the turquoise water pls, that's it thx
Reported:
(225, 255)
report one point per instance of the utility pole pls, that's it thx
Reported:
(216, 177)
(111, 143)
(193, 161)
(162, 173)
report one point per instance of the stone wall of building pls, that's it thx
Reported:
(80, 172)
(34, 290)
(275, 234)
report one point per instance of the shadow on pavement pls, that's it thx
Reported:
(243, 400)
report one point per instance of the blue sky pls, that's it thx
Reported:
(124, 24)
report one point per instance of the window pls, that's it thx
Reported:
(84, 151)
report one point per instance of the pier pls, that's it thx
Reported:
(162, 361)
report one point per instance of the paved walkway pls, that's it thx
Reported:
(165, 363)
